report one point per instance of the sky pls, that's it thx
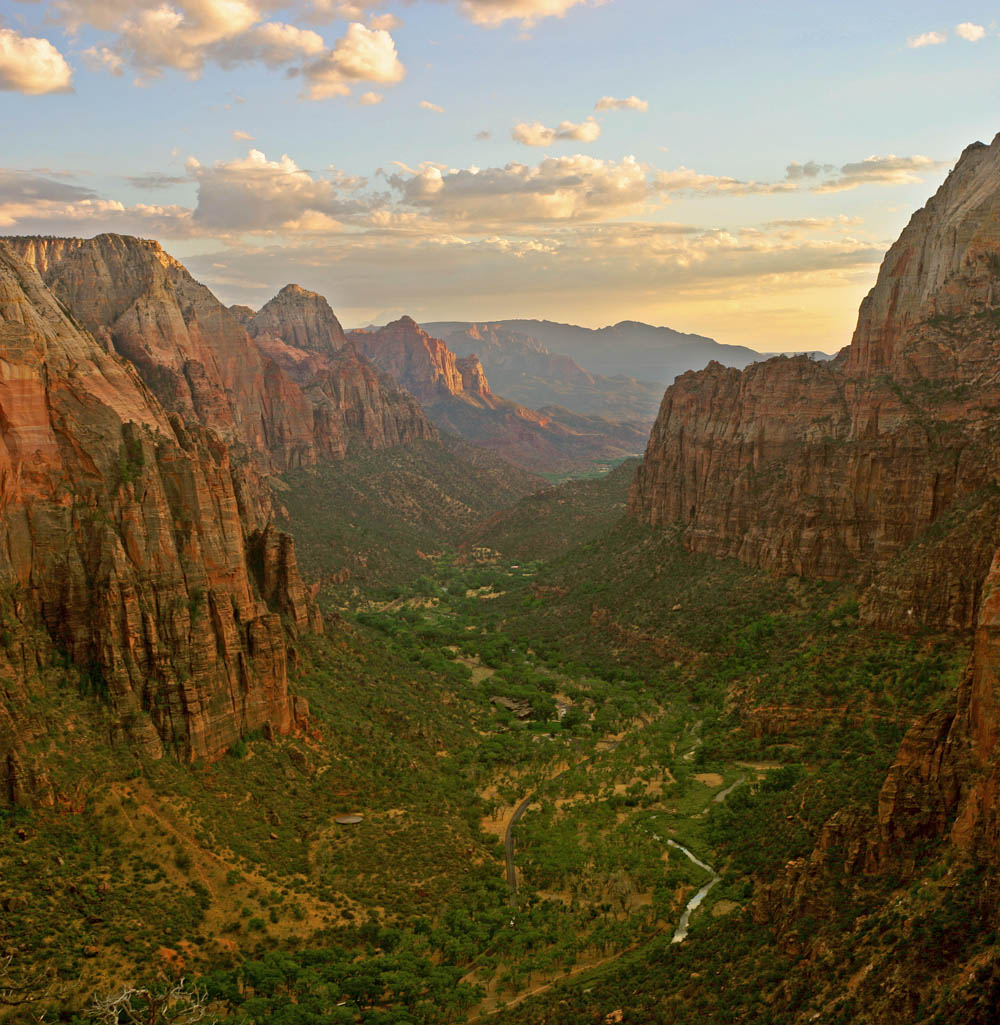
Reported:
(723, 168)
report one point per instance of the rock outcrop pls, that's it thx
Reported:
(124, 529)
(301, 319)
(882, 466)
(350, 398)
(286, 396)
(189, 348)
(835, 469)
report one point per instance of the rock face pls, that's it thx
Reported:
(881, 465)
(836, 469)
(457, 396)
(189, 348)
(126, 538)
(275, 395)
(301, 319)
(299, 333)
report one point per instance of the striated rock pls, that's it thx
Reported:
(836, 469)
(189, 348)
(301, 319)
(122, 536)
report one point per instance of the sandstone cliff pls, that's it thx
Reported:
(125, 543)
(300, 318)
(285, 397)
(299, 332)
(837, 469)
(881, 466)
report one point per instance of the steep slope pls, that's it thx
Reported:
(883, 463)
(835, 468)
(198, 358)
(127, 545)
(521, 368)
(458, 398)
(299, 332)
(189, 349)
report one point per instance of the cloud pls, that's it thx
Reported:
(628, 103)
(817, 223)
(970, 31)
(483, 135)
(370, 99)
(536, 134)
(32, 66)
(427, 105)
(361, 55)
(685, 180)
(240, 136)
(154, 36)
(254, 194)
(796, 171)
(384, 21)
(577, 188)
(155, 180)
(875, 170)
(528, 12)
(926, 39)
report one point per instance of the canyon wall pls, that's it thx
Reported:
(126, 536)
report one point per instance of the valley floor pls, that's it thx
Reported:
(640, 722)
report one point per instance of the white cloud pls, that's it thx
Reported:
(577, 188)
(528, 12)
(361, 55)
(875, 170)
(32, 66)
(926, 39)
(427, 105)
(384, 21)
(628, 103)
(240, 136)
(537, 134)
(970, 31)
(254, 194)
(370, 99)
(100, 58)
(683, 179)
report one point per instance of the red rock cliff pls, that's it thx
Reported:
(124, 539)
(837, 469)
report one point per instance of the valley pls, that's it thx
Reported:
(316, 708)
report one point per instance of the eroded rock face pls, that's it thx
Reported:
(423, 365)
(123, 539)
(189, 348)
(882, 466)
(350, 398)
(301, 319)
(835, 469)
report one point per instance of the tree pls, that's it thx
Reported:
(174, 1005)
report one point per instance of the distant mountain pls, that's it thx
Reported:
(521, 368)
(629, 349)
(457, 397)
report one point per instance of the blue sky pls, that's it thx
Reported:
(767, 157)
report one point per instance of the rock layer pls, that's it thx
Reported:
(123, 541)
(836, 469)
